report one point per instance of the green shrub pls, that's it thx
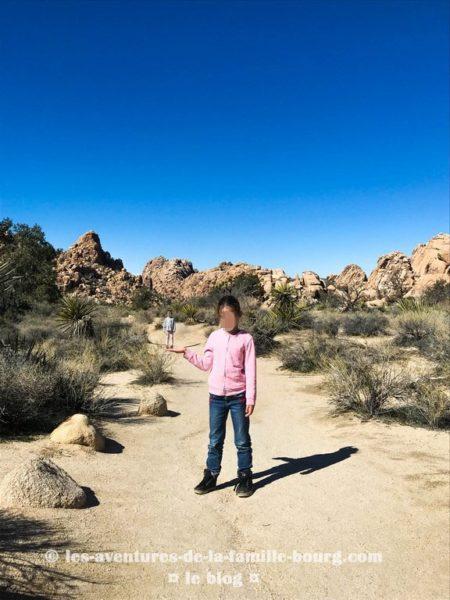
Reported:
(329, 300)
(263, 327)
(327, 323)
(32, 257)
(438, 293)
(313, 353)
(303, 356)
(206, 315)
(296, 318)
(142, 299)
(37, 393)
(364, 323)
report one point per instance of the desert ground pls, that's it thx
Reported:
(324, 484)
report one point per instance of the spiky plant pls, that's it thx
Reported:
(7, 276)
(190, 311)
(284, 298)
(76, 316)
(7, 280)
(413, 305)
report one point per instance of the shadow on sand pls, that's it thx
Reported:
(24, 571)
(291, 466)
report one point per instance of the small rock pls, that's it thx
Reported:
(78, 430)
(155, 405)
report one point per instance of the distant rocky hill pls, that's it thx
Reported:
(87, 270)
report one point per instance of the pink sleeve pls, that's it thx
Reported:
(250, 371)
(201, 362)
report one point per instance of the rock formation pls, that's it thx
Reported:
(310, 285)
(40, 483)
(166, 276)
(430, 263)
(352, 276)
(391, 279)
(85, 269)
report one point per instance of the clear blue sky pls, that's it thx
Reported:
(295, 134)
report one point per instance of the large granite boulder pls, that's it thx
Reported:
(40, 483)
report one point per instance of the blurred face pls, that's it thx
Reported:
(228, 319)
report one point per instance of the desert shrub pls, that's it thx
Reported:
(303, 356)
(155, 364)
(263, 327)
(246, 286)
(38, 323)
(364, 323)
(438, 293)
(142, 299)
(427, 329)
(327, 323)
(141, 316)
(36, 392)
(111, 348)
(366, 386)
(207, 315)
(115, 347)
(297, 317)
(328, 300)
(314, 353)
(429, 403)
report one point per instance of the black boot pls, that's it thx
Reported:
(244, 486)
(207, 484)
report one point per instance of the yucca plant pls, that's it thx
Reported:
(284, 298)
(7, 276)
(290, 312)
(76, 316)
(190, 312)
(7, 280)
(413, 305)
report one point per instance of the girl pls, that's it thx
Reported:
(229, 355)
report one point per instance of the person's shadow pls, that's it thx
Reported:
(303, 465)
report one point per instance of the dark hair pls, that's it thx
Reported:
(230, 301)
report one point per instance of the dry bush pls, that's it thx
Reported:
(155, 364)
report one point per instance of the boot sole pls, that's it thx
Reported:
(244, 494)
(204, 491)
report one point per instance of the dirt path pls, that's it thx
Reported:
(323, 485)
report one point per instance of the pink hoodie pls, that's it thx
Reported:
(232, 360)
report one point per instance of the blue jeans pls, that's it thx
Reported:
(218, 413)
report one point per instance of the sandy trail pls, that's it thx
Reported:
(323, 485)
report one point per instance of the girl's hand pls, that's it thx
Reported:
(249, 409)
(177, 350)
